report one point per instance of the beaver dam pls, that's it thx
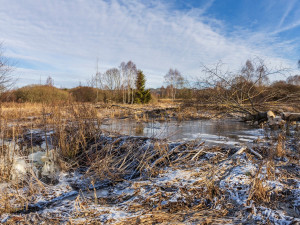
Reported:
(64, 168)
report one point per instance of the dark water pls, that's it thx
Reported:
(227, 132)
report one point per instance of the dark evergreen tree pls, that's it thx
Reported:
(141, 96)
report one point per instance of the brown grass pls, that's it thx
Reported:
(280, 147)
(259, 191)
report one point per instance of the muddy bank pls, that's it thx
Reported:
(159, 112)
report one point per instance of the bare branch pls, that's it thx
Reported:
(245, 90)
(6, 69)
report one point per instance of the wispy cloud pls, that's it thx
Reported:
(66, 38)
(290, 6)
(290, 26)
(294, 22)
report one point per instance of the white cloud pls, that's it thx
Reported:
(66, 38)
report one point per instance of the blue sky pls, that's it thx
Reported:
(63, 39)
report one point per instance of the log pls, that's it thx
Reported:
(289, 117)
(261, 117)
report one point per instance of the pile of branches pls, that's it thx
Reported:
(125, 157)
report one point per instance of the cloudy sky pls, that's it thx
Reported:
(63, 38)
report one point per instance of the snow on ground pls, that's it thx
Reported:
(217, 186)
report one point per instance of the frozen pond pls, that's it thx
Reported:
(229, 132)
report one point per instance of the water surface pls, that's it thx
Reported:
(228, 132)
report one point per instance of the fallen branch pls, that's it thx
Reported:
(255, 153)
(197, 154)
(242, 149)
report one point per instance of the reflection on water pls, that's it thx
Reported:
(212, 131)
(139, 129)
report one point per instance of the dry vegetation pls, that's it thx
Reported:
(105, 178)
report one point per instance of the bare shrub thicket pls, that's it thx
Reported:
(246, 91)
(285, 91)
(86, 94)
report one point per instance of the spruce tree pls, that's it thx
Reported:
(141, 96)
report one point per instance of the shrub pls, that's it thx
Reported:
(284, 91)
(41, 93)
(84, 94)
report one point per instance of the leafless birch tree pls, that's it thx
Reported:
(174, 80)
(128, 74)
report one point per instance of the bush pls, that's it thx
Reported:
(153, 99)
(87, 94)
(283, 91)
(41, 93)
(8, 96)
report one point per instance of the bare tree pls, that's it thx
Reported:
(294, 80)
(174, 80)
(49, 81)
(96, 81)
(6, 79)
(116, 82)
(111, 80)
(243, 91)
(128, 77)
(122, 70)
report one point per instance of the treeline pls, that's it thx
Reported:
(181, 93)
(277, 91)
(125, 84)
(245, 90)
(50, 94)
